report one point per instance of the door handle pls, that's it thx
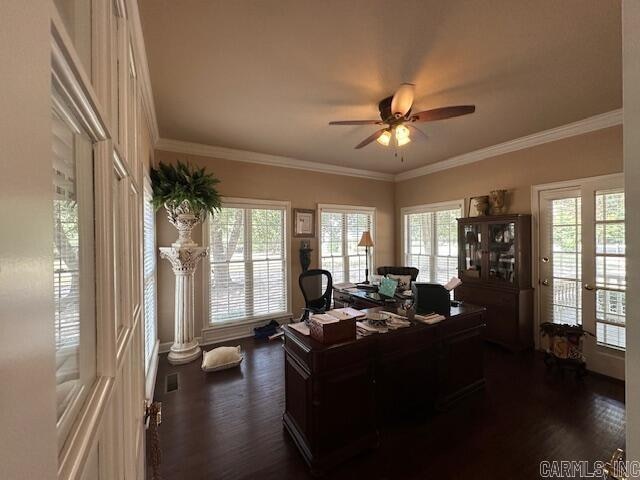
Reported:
(545, 259)
(545, 282)
(589, 287)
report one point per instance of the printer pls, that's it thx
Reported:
(431, 298)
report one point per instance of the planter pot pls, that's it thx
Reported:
(184, 219)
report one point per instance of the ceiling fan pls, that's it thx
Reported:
(395, 113)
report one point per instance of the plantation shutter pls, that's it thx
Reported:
(431, 241)
(66, 277)
(611, 281)
(340, 232)
(248, 272)
(149, 273)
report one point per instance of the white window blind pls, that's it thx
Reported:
(340, 232)
(248, 261)
(431, 241)
(611, 284)
(564, 225)
(149, 274)
(73, 264)
(66, 268)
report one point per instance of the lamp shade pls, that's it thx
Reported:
(365, 239)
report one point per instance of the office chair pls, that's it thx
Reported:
(400, 271)
(315, 300)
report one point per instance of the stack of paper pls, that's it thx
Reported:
(346, 313)
(396, 321)
(430, 318)
(453, 283)
(364, 329)
(324, 318)
(301, 327)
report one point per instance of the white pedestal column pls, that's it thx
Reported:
(184, 260)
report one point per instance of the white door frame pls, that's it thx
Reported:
(536, 191)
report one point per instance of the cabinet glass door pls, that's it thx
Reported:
(502, 260)
(471, 251)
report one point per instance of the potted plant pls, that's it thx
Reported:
(187, 193)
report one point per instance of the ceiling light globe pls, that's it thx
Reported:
(385, 138)
(402, 135)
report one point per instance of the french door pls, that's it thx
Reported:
(581, 265)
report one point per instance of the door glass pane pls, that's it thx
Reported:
(502, 252)
(610, 268)
(472, 251)
(566, 261)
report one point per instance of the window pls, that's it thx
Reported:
(430, 240)
(73, 264)
(610, 268)
(248, 261)
(149, 273)
(340, 230)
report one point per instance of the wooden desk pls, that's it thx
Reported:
(338, 396)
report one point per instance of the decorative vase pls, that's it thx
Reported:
(305, 258)
(184, 219)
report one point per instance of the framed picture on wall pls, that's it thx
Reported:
(478, 206)
(304, 223)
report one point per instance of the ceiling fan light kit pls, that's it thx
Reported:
(395, 111)
(385, 138)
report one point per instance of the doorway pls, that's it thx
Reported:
(580, 266)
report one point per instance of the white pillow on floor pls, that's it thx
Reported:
(221, 358)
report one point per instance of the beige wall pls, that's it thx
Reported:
(595, 153)
(303, 189)
(591, 154)
(27, 358)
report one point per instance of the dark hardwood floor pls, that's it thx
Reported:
(228, 425)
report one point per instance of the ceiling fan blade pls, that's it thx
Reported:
(356, 122)
(402, 99)
(443, 113)
(370, 138)
(421, 134)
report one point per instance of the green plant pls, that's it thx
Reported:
(175, 184)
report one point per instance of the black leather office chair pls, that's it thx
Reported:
(400, 271)
(315, 300)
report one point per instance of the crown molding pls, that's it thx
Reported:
(143, 69)
(224, 153)
(590, 124)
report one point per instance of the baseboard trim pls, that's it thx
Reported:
(225, 333)
(150, 379)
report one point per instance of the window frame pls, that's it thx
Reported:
(426, 208)
(346, 209)
(66, 88)
(244, 203)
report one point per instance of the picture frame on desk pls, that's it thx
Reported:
(304, 223)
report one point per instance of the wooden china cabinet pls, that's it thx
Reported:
(494, 264)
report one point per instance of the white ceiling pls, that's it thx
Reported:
(267, 76)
